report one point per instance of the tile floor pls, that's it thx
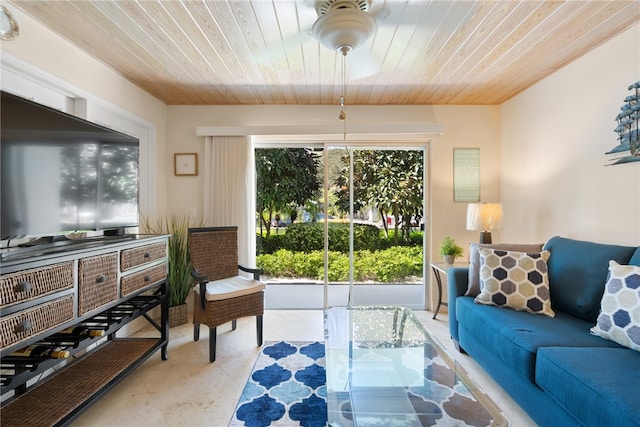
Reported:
(187, 390)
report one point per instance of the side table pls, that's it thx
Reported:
(439, 270)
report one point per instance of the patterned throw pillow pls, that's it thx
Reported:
(473, 287)
(517, 280)
(619, 318)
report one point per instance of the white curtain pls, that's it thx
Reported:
(229, 190)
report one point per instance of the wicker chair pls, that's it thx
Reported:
(222, 294)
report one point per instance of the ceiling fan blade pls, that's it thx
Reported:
(362, 64)
(287, 27)
(278, 50)
(431, 13)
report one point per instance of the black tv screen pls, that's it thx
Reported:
(62, 174)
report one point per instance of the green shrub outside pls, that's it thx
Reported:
(270, 245)
(279, 264)
(398, 262)
(365, 236)
(338, 268)
(415, 239)
(305, 237)
(308, 264)
(308, 237)
(395, 264)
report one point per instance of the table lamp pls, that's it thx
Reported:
(484, 217)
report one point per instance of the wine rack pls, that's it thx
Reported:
(44, 391)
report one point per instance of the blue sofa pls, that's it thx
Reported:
(557, 371)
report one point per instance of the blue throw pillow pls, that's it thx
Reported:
(578, 271)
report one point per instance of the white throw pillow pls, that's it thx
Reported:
(619, 318)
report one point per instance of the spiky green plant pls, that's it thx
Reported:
(177, 225)
(450, 247)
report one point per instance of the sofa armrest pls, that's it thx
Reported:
(457, 282)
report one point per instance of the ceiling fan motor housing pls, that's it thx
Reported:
(344, 26)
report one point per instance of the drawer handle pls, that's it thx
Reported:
(147, 254)
(147, 278)
(23, 286)
(24, 326)
(101, 278)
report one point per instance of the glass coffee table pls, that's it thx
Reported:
(385, 369)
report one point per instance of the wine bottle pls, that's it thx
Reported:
(63, 340)
(41, 351)
(84, 331)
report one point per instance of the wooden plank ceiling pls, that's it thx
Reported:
(223, 52)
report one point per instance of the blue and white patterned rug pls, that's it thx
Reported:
(286, 387)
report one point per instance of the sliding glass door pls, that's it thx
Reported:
(341, 225)
(380, 192)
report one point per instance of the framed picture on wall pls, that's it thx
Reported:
(185, 164)
(466, 175)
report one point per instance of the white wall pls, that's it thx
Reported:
(553, 138)
(465, 127)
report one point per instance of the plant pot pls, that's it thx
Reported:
(449, 259)
(177, 315)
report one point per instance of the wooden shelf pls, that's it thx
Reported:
(111, 320)
(60, 398)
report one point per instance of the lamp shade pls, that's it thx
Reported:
(484, 216)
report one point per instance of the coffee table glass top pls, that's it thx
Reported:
(384, 368)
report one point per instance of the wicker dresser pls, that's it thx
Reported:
(102, 284)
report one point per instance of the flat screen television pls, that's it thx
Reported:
(61, 174)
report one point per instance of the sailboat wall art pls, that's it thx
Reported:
(628, 148)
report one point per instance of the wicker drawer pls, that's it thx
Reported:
(22, 325)
(97, 282)
(141, 279)
(29, 284)
(130, 258)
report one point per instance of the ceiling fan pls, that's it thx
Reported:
(348, 27)
(343, 25)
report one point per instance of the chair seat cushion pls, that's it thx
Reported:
(232, 287)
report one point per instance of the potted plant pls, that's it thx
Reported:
(449, 250)
(179, 278)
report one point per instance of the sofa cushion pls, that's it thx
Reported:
(474, 260)
(515, 336)
(515, 280)
(578, 272)
(598, 385)
(619, 318)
